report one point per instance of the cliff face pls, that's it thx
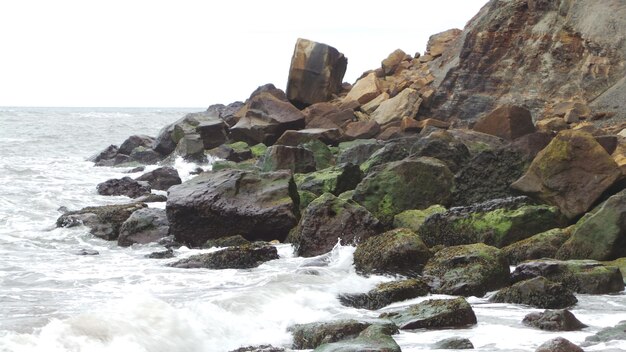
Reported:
(534, 53)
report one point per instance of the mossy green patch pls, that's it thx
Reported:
(258, 150)
(414, 218)
(239, 146)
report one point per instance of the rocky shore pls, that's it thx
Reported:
(502, 144)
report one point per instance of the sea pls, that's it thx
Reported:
(52, 299)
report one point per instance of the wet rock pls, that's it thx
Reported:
(395, 252)
(553, 320)
(135, 141)
(212, 133)
(358, 151)
(600, 234)
(537, 292)
(435, 314)
(386, 293)
(508, 122)
(618, 332)
(228, 113)
(239, 257)
(477, 142)
(580, 276)
(335, 180)
(413, 219)
(330, 136)
(143, 226)
(391, 151)
(497, 223)
(406, 103)
(230, 241)
(362, 130)
(571, 173)
(258, 206)
(170, 135)
(108, 153)
(104, 221)
(84, 251)
(328, 218)
(236, 152)
(166, 254)
(453, 343)
(443, 146)
(315, 74)
(376, 338)
(558, 344)
(312, 335)
(468, 270)
(162, 178)
(280, 157)
(261, 348)
(151, 198)
(125, 186)
(412, 183)
(541, 245)
(190, 147)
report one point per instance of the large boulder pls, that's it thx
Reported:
(125, 186)
(508, 122)
(443, 146)
(162, 178)
(358, 151)
(386, 293)
(553, 320)
(572, 172)
(414, 218)
(413, 183)
(258, 206)
(212, 132)
(435, 314)
(335, 180)
(376, 338)
(558, 344)
(238, 257)
(542, 245)
(135, 141)
(170, 135)
(145, 225)
(316, 73)
(294, 138)
(600, 234)
(395, 252)
(537, 292)
(329, 218)
(312, 335)
(406, 103)
(282, 157)
(468, 270)
(393, 150)
(103, 221)
(365, 89)
(580, 276)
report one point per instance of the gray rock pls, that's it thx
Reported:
(553, 320)
(162, 178)
(125, 186)
(239, 257)
(103, 221)
(143, 226)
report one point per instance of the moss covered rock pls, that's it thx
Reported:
(258, 150)
(619, 263)
(280, 157)
(335, 180)
(414, 218)
(580, 276)
(306, 198)
(553, 320)
(398, 251)
(329, 218)
(376, 338)
(229, 241)
(442, 145)
(537, 292)
(435, 314)
(248, 165)
(322, 154)
(394, 150)
(403, 185)
(357, 151)
(312, 335)
(468, 270)
(617, 332)
(103, 221)
(541, 245)
(238, 257)
(601, 234)
(386, 293)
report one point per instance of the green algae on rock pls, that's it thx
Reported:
(376, 338)
(386, 293)
(541, 245)
(335, 179)
(435, 314)
(414, 218)
(537, 292)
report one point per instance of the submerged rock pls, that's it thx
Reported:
(166, 254)
(261, 348)
(454, 343)
(239, 257)
(553, 320)
(435, 314)
(386, 293)
(537, 292)
(104, 221)
(558, 344)
(125, 186)
(617, 332)
(376, 338)
(312, 335)
(143, 226)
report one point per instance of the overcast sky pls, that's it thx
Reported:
(193, 53)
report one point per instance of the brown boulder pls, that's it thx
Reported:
(437, 43)
(315, 74)
(391, 63)
(362, 130)
(406, 103)
(294, 138)
(571, 173)
(365, 89)
(508, 122)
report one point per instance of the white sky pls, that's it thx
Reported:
(193, 53)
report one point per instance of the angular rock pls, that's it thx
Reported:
(312, 335)
(395, 252)
(322, 154)
(365, 89)
(413, 183)
(386, 293)
(104, 221)
(125, 186)
(335, 180)
(454, 343)
(558, 344)
(239, 257)
(162, 178)
(328, 218)
(370, 107)
(261, 348)
(537, 292)
(468, 270)
(292, 138)
(226, 112)
(170, 135)
(236, 152)
(571, 173)
(391, 151)
(477, 142)
(541, 245)
(212, 133)
(190, 147)
(406, 103)
(362, 130)
(438, 43)
(281, 157)
(358, 151)
(600, 234)
(392, 61)
(231, 241)
(145, 225)
(553, 124)
(144, 155)
(553, 320)
(135, 141)
(436, 314)
(508, 122)
(375, 338)
(258, 206)
(316, 73)
(580, 276)
(413, 219)
(443, 146)
(108, 153)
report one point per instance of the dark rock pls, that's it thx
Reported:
(395, 252)
(213, 133)
(435, 314)
(454, 343)
(328, 218)
(190, 147)
(386, 293)
(143, 226)
(375, 338)
(414, 219)
(391, 151)
(537, 292)
(558, 344)
(136, 169)
(151, 198)
(280, 157)
(85, 251)
(125, 186)
(443, 146)
(166, 254)
(330, 136)
(357, 152)
(108, 153)
(580, 276)
(135, 141)
(618, 332)
(261, 348)
(239, 257)
(231, 241)
(258, 206)
(508, 122)
(362, 130)
(145, 156)
(315, 74)
(553, 320)
(335, 180)
(103, 221)
(541, 245)
(312, 335)
(477, 142)
(162, 178)
(413, 183)
(170, 135)
(226, 112)
(237, 152)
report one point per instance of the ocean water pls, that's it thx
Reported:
(52, 299)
